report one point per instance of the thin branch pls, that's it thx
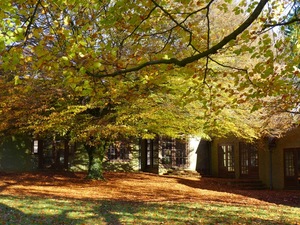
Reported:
(208, 40)
(206, 69)
(53, 29)
(177, 24)
(147, 17)
(170, 30)
(227, 66)
(166, 42)
(235, 68)
(172, 18)
(282, 23)
(32, 18)
(292, 112)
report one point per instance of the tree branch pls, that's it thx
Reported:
(176, 22)
(183, 62)
(227, 66)
(149, 14)
(282, 23)
(292, 112)
(208, 40)
(32, 18)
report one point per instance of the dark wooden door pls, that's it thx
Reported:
(248, 161)
(226, 161)
(292, 168)
(151, 156)
(204, 158)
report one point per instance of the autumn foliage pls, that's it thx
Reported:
(95, 71)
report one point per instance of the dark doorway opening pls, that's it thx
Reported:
(226, 161)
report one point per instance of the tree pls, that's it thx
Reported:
(107, 33)
(96, 71)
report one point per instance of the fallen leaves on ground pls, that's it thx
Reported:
(142, 187)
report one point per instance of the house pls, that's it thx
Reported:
(163, 155)
(275, 162)
(159, 155)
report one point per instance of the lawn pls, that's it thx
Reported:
(138, 198)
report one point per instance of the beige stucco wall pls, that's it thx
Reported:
(192, 153)
(290, 140)
(263, 164)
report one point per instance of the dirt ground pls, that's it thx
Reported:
(142, 187)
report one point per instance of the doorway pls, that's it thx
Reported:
(292, 168)
(151, 155)
(226, 161)
(248, 161)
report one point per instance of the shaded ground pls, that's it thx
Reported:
(139, 187)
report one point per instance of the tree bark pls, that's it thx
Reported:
(95, 156)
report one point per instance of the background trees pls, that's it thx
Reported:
(100, 70)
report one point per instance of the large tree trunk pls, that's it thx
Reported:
(96, 155)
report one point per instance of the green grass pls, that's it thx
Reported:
(31, 211)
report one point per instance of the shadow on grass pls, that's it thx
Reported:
(30, 210)
(12, 215)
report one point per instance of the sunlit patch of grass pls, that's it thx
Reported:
(32, 210)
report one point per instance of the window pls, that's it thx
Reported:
(112, 152)
(168, 146)
(249, 160)
(119, 150)
(151, 152)
(124, 150)
(174, 152)
(35, 146)
(244, 161)
(228, 157)
(149, 146)
(181, 153)
(254, 158)
(289, 163)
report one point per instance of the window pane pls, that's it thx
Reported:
(244, 161)
(253, 156)
(228, 157)
(119, 150)
(35, 146)
(224, 155)
(168, 146)
(148, 150)
(289, 164)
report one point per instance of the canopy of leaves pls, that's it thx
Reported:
(143, 68)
